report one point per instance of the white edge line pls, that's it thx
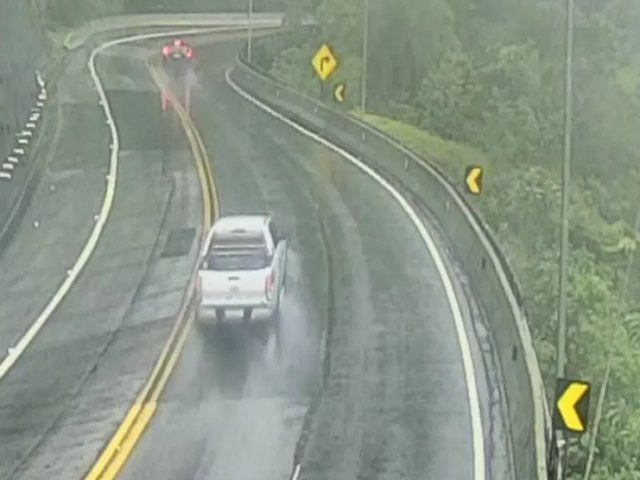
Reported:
(296, 473)
(540, 404)
(15, 351)
(542, 416)
(463, 339)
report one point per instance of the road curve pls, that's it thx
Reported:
(396, 403)
(63, 396)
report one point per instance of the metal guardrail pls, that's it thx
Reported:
(492, 279)
(18, 174)
(80, 36)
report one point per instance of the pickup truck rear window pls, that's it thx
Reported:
(238, 240)
(250, 260)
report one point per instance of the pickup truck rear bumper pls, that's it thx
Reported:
(261, 310)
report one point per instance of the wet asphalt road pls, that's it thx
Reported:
(233, 408)
(395, 404)
(70, 389)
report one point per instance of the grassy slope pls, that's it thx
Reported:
(452, 157)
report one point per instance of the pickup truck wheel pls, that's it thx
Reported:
(275, 316)
(220, 315)
(277, 326)
(246, 315)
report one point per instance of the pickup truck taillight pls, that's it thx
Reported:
(268, 285)
(198, 285)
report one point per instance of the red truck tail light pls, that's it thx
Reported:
(268, 285)
(165, 50)
(189, 53)
(198, 285)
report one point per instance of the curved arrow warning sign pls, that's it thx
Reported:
(324, 62)
(572, 405)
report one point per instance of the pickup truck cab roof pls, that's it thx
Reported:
(240, 226)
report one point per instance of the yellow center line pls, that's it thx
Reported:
(195, 140)
(172, 360)
(121, 445)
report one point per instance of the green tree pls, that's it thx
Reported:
(449, 96)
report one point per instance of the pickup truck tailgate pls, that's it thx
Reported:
(231, 287)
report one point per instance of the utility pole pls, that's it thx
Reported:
(249, 31)
(566, 172)
(365, 41)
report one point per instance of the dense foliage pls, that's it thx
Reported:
(490, 74)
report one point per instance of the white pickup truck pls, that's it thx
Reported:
(243, 269)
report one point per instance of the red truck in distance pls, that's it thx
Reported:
(177, 61)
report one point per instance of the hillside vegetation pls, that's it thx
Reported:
(481, 81)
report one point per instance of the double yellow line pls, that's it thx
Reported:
(121, 445)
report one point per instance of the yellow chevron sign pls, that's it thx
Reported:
(339, 92)
(572, 405)
(473, 179)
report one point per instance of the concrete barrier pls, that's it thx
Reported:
(492, 280)
(22, 51)
(22, 166)
(23, 150)
(79, 37)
